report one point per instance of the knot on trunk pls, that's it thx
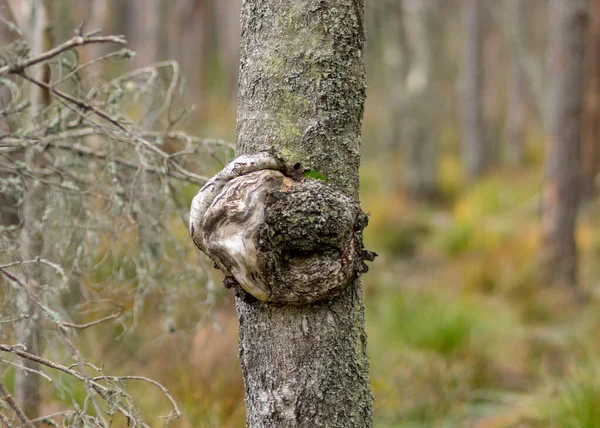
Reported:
(281, 239)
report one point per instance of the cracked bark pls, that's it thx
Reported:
(301, 94)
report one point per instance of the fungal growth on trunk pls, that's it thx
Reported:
(276, 235)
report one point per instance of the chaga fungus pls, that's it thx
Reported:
(283, 241)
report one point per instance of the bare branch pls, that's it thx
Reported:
(112, 316)
(13, 405)
(104, 392)
(19, 67)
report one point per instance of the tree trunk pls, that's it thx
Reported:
(591, 117)
(419, 133)
(301, 93)
(146, 37)
(516, 109)
(562, 163)
(395, 58)
(475, 153)
(27, 384)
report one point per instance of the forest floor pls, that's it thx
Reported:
(462, 331)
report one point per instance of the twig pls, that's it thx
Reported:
(69, 44)
(104, 392)
(97, 322)
(13, 405)
(28, 369)
(5, 421)
(176, 413)
(12, 320)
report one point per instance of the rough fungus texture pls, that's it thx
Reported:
(282, 240)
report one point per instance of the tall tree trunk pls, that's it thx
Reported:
(301, 93)
(591, 117)
(228, 36)
(146, 38)
(562, 163)
(516, 109)
(395, 59)
(190, 31)
(420, 139)
(475, 151)
(27, 384)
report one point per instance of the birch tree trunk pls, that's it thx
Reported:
(591, 117)
(27, 384)
(301, 93)
(562, 163)
(516, 111)
(475, 153)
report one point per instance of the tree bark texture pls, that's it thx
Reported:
(516, 111)
(562, 164)
(591, 118)
(301, 94)
(475, 151)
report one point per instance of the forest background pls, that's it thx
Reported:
(479, 312)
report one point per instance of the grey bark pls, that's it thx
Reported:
(562, 163)
(475, 151)
(301, 94)
(516, 110)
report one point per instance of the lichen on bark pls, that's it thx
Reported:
(301, 94)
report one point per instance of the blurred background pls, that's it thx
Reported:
(477, 315)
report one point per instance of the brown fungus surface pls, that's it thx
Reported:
(283, 241)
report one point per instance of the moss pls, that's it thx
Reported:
(315, 175)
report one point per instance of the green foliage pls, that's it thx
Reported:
(456, 240)
(577, 401)
(315, 175)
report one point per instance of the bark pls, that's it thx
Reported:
(591, 117)
(475, 151)
(562, 163)
(516, 110)
(301, 94)
(27, 385)
(419, 134)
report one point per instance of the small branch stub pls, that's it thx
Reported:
(281, 239)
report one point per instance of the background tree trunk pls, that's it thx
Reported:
(395, 59)
(475, 153)
(27, 384)
(516, 108)
(421, 167)
(562, 163)
(591, 117)
(301, 93)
